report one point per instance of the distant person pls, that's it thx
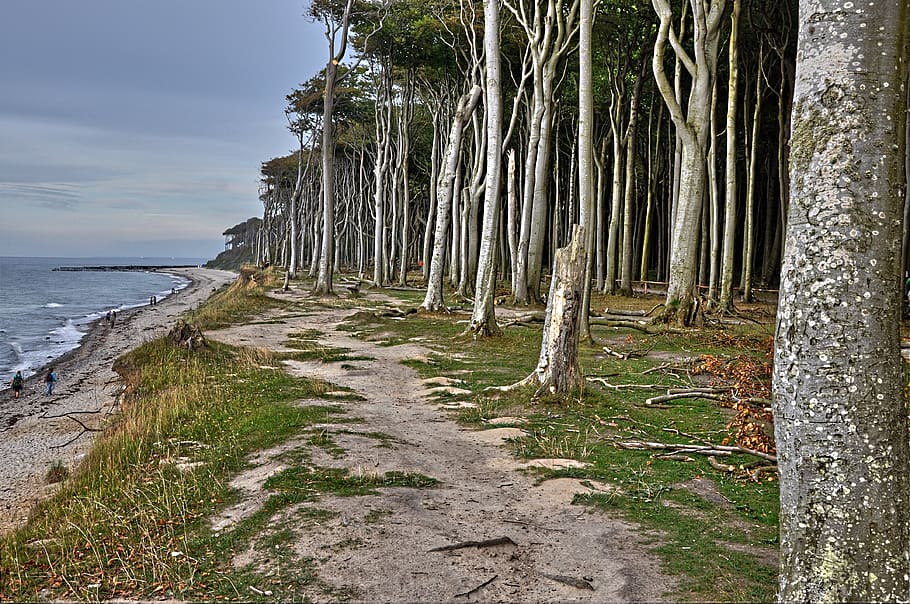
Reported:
(49, 380)
(16, 383)
(107, 317)
(113, 317)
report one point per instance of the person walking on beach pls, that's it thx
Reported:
(49, 380)
(16, 383)
(113, 317)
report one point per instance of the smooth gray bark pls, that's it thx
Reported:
(483, 319)
(326, 266)
(466, 104)
(840, 413)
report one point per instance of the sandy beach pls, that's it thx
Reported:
(31, 438)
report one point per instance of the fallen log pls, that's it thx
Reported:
(632, 313)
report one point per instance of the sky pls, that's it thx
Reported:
(137, 127)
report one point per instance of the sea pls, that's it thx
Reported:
(45, 313)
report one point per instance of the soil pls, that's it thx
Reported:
(380, 547)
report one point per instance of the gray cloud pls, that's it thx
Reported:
(160, 107)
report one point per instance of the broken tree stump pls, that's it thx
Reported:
(187, 335)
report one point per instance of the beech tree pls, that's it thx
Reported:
(483, 318)
(692, 128)
(336, 33)
(840, 413)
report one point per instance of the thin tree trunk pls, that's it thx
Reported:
(483, 319)
(466, 104)
(726, 283)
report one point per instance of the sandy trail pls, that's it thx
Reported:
(30, 442)
(377, 547)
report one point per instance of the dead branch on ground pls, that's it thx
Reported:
(719, 450)
(685, 394)
(484, 543)
(570, 581)
(606, 384)
(478, 588)
(69, 415)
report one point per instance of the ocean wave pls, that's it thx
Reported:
(67, 333)
(52, 305)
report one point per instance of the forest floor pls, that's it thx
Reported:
(408, 406)
(381, 546)
(349, 449)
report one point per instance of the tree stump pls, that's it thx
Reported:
(187, 335)
(557, 369)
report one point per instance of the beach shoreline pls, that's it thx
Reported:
(35, 431)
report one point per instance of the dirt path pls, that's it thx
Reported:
(378, 546)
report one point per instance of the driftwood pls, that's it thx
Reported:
(570, 581)
(70, 415)
(719, 450)
(464, 544)
(478, 588)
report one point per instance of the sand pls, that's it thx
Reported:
(31, 438)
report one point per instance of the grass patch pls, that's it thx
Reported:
(244, 298)
(131, 523)
(57, 472)
(302, 483)
(309, 349)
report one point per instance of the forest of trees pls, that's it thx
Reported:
(464, 141)
(687, 184)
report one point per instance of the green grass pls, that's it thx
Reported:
(131, 521)
(243, 299)
(308, 348)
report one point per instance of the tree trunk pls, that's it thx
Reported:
(840, 413)
(726, 282)
(586, 204)
(380, 169)
(483, 319)
(558, 372)
(625, 287)
(326, 267)
(691, 125)
(615, 200)
(466, 104)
